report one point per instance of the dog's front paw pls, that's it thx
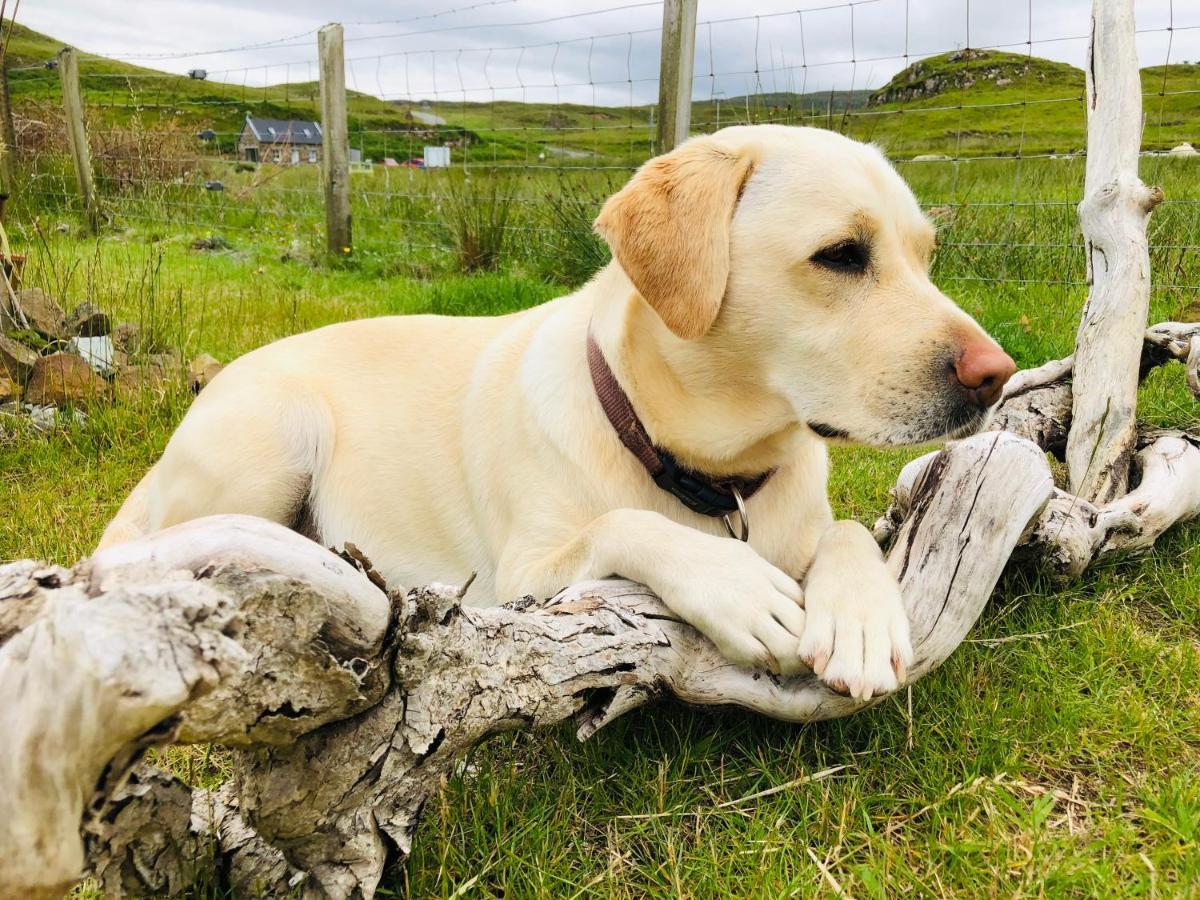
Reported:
(856, 636)
(752, 611)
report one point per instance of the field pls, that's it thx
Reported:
(1055, 755)
(982, 104)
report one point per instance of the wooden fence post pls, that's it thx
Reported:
(335, 141)
(8, 134)
(1115, 209)
(68, 73)
(675, 73)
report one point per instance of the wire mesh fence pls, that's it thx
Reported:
(975, 105)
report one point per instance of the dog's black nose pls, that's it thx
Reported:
(981, 370)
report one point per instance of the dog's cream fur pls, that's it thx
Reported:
(446, 446)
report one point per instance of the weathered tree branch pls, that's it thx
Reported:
(1115, 209)
(1037, 402)
(353, 704)
(1174, 340)
(1071, 533)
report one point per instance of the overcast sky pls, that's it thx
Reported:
(586, 51)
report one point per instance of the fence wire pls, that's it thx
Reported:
(968, 101)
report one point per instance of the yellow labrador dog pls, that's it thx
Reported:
(769, 291)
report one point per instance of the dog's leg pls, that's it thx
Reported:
(752, 611)
(132, 519)
(856, 638)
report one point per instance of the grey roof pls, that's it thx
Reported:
(284, 131)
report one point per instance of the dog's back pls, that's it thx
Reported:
(308, 429)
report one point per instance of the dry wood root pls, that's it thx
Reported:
(1071, 533)
(349, 705)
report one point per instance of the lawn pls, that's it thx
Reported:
(1055, 754)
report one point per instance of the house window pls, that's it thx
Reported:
(312, 155)
(277, 156)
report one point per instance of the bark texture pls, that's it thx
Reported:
(1115, 209)
(350, 704)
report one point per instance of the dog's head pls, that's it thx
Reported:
(802, 258)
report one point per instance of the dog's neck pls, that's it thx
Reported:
(714, 414)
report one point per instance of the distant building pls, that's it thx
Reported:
(287, 142)
(437, 157)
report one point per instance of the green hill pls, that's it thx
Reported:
(967, 103)
(119, 95)
(963, 70)
(987, 102)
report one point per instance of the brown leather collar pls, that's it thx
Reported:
(705, 494)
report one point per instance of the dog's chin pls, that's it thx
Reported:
(941, 425)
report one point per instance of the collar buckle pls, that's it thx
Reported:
(693, 493)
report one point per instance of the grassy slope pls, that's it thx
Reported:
(1041, 111)
(120, 95)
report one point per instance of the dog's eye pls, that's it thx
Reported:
(848, 256)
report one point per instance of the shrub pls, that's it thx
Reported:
(476, 207)
(571, 251)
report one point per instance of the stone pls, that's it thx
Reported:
(88, 320)
(1184, 149)
(63, 379)
(202, 370)
(16, 360)
(47, 418)
(41, 312)
(127, 338)
(8, 389)
(169, 360)
(141, 380)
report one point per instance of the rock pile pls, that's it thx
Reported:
(51, 360)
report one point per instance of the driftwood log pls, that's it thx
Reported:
(349, 704)
(1113, 215)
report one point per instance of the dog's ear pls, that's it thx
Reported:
(669, 230)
